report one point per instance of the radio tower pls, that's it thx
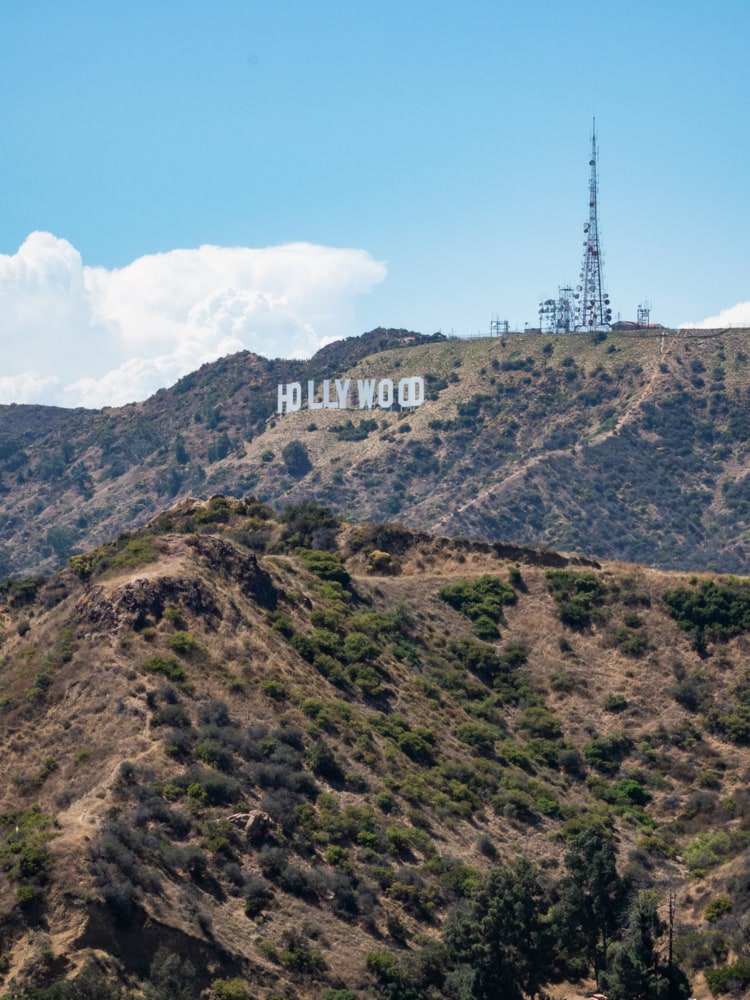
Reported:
(592, 301)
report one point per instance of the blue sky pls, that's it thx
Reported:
(413, 164)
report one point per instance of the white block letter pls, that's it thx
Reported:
(411, 391)
(330, 404)
(311, 404)
(366, 392)
(291, 396)
(385, 394)
(342, 391)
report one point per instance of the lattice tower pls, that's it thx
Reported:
(593, 311)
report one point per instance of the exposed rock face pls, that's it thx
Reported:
(256, 824)
(142, 602)
(240, 566)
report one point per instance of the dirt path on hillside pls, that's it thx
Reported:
(497, 491)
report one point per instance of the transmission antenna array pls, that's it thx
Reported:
(593, 311)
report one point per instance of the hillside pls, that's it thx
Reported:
(288, 748)
(626, 446)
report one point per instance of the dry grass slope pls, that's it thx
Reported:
(217, 667)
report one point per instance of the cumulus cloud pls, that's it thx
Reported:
(76, 335)
(738, 315)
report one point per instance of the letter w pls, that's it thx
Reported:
(366, 392)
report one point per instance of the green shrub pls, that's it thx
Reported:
(322, 762)
(574, 614)
(23, 849)
(307, 525)
(481, 600)
(27, 896)
(547, 805)
(211, 752)
(367, 680)
(562, 682)
(502, 671)
(258, 896)
(717, 908)
(282, 623)
(630, 643)
(359, 648)
(275, 690)
(539, 721)
(576, 594)
(691, 691)
(734, 978)
(167, 665)
(382, 965)
(697, 949)
(22, 590)
(478, 735)
(183, 643)
(708, 778)
(418, 744)
(606, 752)
(400, 838)
(328, 618)
(615, 703)
(731, 718)
(324, 641)
(210, 787)
(628, 791)
(707, 850)
(385, 800)
(486, 628)
(326, 565)
(296, 954)
(712, 612)
(229, 989)
(296, 459)
(173, 615)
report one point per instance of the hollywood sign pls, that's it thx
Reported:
(335, 394)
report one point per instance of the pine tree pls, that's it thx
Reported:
(637, 971)
(592, 897)
(499, 944)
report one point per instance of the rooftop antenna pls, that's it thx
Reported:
(593, 310)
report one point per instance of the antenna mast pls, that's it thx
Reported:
(593, 311)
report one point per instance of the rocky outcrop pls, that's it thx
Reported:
(141, 602)
(256, 824)
(237, 565)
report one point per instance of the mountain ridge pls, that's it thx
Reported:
(625, 445)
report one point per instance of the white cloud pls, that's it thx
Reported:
(26, 387)
(76, 335)
(738, 315)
